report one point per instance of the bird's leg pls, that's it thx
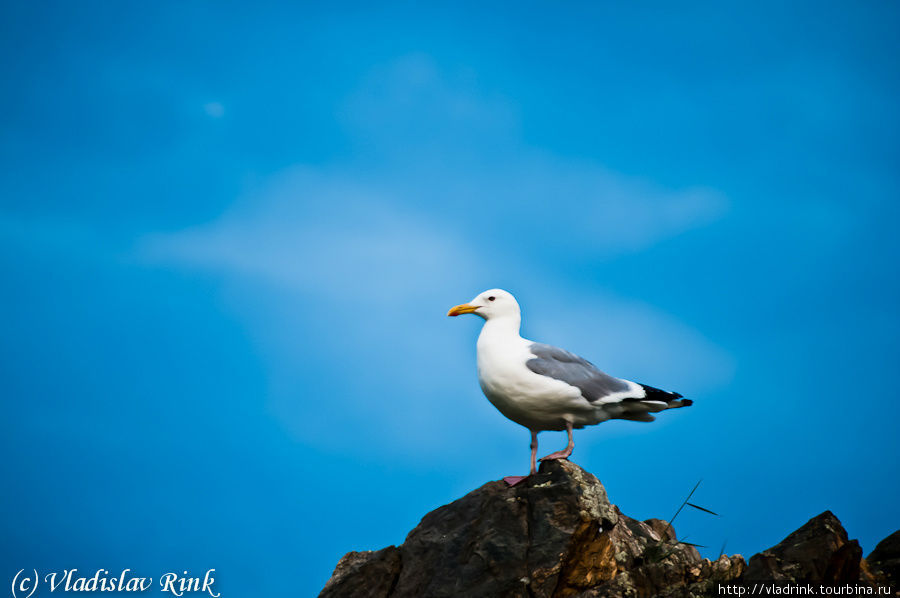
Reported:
(533, 451)
(516, 479)
(563, 454)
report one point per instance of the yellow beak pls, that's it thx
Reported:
(465, 308)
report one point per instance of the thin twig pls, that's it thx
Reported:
(690, 504)
(669, 525)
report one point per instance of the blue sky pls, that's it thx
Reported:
(229, 235)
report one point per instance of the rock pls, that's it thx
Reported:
(502, 541)
(676, 576)
(885, 559)
(817, 552)
(364, 574)
(640, 562)
(662, 528)
(556, 535)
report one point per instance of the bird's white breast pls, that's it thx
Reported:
(527, 398)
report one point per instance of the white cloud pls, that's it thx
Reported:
(439, 136)
(379, 257)
(587, 208)
(633, 340)
(381, 276)
(318, 235)
(214, 109)
(412, 104)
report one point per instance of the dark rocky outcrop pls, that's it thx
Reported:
(884, 561)
(370, 573)
(556, 535)
(817, 552)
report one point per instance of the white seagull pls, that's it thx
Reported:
(543, 387)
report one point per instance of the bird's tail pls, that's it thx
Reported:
(672, 400)
(656, 400)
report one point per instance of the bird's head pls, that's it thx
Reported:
(489, 304)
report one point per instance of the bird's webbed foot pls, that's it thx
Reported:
(512, 480)
(564, 454)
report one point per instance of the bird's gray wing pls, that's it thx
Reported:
(560, 364)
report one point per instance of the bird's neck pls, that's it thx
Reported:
(502, 326)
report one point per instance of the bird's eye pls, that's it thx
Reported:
(491, 298)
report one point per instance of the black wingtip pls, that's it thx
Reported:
(655, 394)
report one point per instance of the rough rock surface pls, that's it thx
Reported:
(556, 535)
(817, 552)
(884, 561)
(370, 573)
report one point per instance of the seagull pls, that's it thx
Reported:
(543, 387)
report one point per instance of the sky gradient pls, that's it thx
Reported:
(229, 235)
